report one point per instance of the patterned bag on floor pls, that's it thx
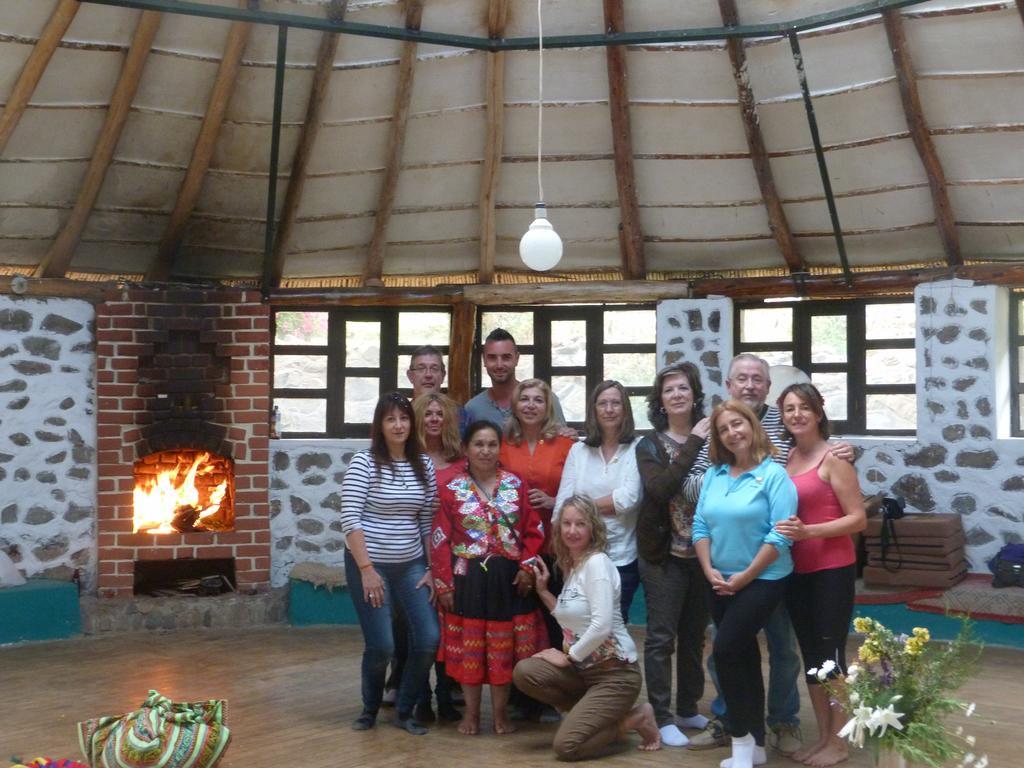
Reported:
(161, 733)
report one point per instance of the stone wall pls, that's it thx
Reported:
(698, 331)
(48, 436)
(305, 504)
(961, 461)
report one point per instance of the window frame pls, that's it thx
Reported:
(540, 349)
(388, 370)
(857, 346)
(1016, 341)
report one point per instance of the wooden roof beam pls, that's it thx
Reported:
(631, 236)
(202, 151)
(777, 221)
(904, 64)
(34, 68)
(374, 269)
(307, 140)
(497, 17)
(58, 257)
(858, 283)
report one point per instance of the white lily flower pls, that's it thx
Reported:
(882, 719)
(856, 726)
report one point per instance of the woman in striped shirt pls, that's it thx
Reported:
(387, 503)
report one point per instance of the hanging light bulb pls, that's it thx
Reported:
(541, 247)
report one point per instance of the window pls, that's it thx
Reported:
(331, 366)
(574, 348)
(1017, 364)
(859, 354)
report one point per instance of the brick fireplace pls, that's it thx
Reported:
(180, 371)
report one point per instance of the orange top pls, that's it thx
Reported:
(541, 470)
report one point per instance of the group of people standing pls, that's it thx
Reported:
(509, 549)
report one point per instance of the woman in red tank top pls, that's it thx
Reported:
(820, 593)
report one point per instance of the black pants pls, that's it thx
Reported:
(738, 618)
(821, 605)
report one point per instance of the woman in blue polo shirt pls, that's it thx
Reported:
(745, 560)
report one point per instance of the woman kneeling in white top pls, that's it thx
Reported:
(596, 679)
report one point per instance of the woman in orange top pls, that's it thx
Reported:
(533, 448)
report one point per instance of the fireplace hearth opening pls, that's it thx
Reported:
(185, 578)
(183, 491)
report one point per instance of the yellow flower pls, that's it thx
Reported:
(923, 634)
(867, 653)
(914, 646)
(863, 625)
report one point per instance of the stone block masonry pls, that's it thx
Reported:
(47, 436)
(182, 368)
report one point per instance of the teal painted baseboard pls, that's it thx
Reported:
(39, 610)
(308, 605)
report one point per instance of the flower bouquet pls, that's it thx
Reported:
(899, 694)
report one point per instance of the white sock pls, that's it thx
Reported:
(693, 721)
(760, 758)
(671, 736)
(742, 752)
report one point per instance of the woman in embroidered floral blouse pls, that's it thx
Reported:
(595, 677)
(485, 534)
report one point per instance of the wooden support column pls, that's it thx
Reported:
(631, 236)
(35, 66)
(901, 58)
(310, 132)
(393, 163)
(460, 351)
(202, 151)
(497, 17)
(777, 221)
(55, 262)
(1020, 7)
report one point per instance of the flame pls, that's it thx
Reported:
(156, 501)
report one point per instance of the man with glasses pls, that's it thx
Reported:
(426, 370)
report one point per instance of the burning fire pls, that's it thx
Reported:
(171, 503)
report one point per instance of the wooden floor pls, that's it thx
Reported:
(294, 691)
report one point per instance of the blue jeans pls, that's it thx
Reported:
(784, 670)
(400, 581)
(629, 576)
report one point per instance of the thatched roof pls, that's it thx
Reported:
(138, 143)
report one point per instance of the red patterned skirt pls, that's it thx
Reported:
(491, 627)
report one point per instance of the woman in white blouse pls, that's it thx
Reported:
(595, 679)
(603, 467)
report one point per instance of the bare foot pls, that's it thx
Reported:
(805, 753)
(830, 754)
(503, 727)
(469, 726)
(641, 719)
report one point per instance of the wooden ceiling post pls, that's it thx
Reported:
(374, 269)
(58, 257)
(202, 151)
(307, 140)
(494, 84)
(777, 221)
(35, 66)
(460, 350)
(631, 236)
(904, 64)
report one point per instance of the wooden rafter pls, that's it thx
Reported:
(393, 162)
(202, 151)
(58, 257)
(497, 17)
(904, 64)
(35, 66)
(631, 236)
(777, 221)
(307, 140)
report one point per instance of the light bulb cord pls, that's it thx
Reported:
(540, 100)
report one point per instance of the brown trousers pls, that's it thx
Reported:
(595, 701)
